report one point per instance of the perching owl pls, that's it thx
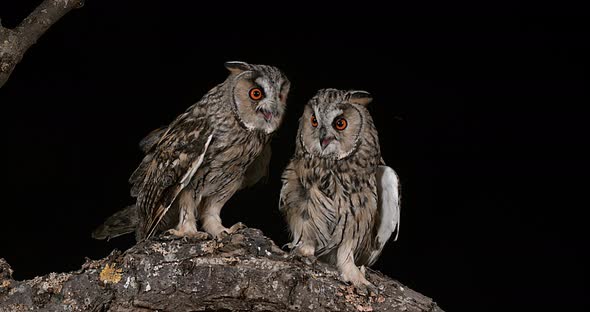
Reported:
(193, 166)
(341, 202)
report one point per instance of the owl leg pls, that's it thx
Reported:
(303, 243)
(306, 249)
(211, 221)
(348, 270)
(187, 223)
(305, 252)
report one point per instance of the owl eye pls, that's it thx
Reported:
(314, 121)
(256, 94)
(340, 124)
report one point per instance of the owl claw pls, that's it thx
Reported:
(309, 260)
(367, 290)
(233, 229)
(188, 234)
(236, 227)
(291, 246)
(357, 278)
(304, 253)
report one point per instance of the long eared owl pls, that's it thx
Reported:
(340, 200)
(195, 164)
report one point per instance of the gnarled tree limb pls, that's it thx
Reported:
(15, 42)
(245, 271)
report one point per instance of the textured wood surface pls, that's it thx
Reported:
(15, 42)
(245, 271)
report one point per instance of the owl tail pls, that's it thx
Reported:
(122, 222)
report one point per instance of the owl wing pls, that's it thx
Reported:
(122, 222)
(291, 191)
(168, 168)
(147, 144)
(388, 192)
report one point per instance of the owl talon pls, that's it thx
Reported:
(367, 290)
(357, 278)
(373, 290)
(302, 252)
(236, 227)
(233, 229)
(167, 236)
(188, 234)
(308, 260)
(291, 246)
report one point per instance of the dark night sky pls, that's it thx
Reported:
(480, 110)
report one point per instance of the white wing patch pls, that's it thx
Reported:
(193, 168)
(389, 208)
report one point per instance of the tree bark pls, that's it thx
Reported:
(15, 42)
(245, 271)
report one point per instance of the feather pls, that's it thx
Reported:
(184, 181)
(389, 209)
(168, 169)
(121, 223)
(258, 170)
(149, 141)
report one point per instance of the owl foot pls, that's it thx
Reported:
(305, 250)
(367, 290)
(236, 227)
(309, 260)
(189, 234)
(304, 253)
(357, 278)
(233, 229)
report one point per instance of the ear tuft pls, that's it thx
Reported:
(236, 67)
(359, 97)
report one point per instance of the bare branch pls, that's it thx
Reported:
(245, 271)
(15, 42)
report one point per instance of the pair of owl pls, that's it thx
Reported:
(339, 199)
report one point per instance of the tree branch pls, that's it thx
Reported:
(242, 272)
(15, 42)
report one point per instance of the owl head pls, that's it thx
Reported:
(258, 95)
(334, 123)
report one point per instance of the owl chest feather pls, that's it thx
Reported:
(339, 190)
(341, 202)
(334, 179)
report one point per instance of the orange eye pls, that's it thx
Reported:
(314, 121)
(256, 94)
(340, 124)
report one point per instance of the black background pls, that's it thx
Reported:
(481, 110)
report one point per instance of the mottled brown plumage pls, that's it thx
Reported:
(332, 195)
(193, 166)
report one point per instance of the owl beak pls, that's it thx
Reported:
(267, 115)
(325, 140)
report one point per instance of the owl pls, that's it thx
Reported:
(339, 199)
(193, 166)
